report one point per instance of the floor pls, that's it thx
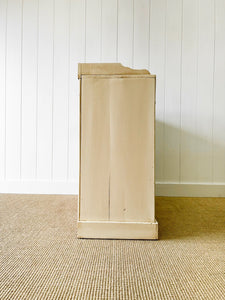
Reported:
(42, 259)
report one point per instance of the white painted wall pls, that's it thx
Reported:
(41, 42)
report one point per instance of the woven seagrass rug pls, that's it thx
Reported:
(41, 258)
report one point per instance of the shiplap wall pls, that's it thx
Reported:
(41, 42)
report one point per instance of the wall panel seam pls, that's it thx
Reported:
(213, 87)
(181, 70)
(149, 32)
(53, 85)
(197, 79)
(164, 88)
(68, 87)
(5, 100)
(37, 90)
(117, 29)
(133, 34)
(85, 30)
(21, 90)
(101, 31)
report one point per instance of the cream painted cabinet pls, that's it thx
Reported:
(116, 191)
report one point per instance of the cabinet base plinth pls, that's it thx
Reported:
(117, 230)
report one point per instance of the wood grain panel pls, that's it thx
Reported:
(132, 149)
(94, 189)
(118, 230)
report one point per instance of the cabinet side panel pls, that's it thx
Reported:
(132, 149)
(94, 172)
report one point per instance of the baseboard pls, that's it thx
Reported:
(117, 230)
(190, 189)
(39, 187)
(71, 187)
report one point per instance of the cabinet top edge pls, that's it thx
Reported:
(110, 69)
(100, 76)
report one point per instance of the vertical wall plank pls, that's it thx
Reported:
(3, 53)
(93, 31)
(45, 88)
(13, 89)
(60, 91)
(39, 90)
(109, 31)
(157, 66)
(172, 90)
(77, 55)
(29, 89)
(204, 107)
(125, 32)
(141, 33)
(219, 95)
(188, 168)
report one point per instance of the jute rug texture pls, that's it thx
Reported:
(41, 258)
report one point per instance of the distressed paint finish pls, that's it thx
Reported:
(117, 149)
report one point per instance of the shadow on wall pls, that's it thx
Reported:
(188, 157)
(185, 156)
(190, 217)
